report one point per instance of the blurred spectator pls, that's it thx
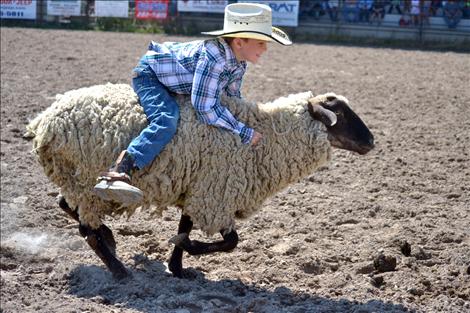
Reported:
(332, 7)
(415, 12)
(311, 8)
(407, 6)
(436, 5)
(90, 8)
(350, 11)
(394, 4)
(378, 12)
(466, 9)
(405, 20)
(425, 11)
(365, 7)
(452, 13)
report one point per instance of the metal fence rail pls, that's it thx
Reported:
(315, 18)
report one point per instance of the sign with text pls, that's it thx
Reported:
(206, 6)
(151, 9)
(285, 13)
(18, 9)
(112, 8)
(64, 7)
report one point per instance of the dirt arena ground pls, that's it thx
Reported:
(312, 247)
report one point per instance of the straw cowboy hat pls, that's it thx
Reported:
(250, 20)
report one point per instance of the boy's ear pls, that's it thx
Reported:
(237, 42)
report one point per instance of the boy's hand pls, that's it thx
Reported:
(256, 138)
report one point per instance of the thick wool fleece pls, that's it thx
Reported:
(204, 170)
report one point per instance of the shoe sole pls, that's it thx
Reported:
(118, 191)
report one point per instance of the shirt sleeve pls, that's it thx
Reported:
(233, 88)
(205, 97)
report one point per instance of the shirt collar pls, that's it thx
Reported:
(230, 59)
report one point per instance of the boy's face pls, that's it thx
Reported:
(247, 49)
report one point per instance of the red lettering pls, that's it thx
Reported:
(6, 2)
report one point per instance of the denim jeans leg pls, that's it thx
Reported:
(162, 114)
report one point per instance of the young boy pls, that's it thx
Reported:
(203, 69)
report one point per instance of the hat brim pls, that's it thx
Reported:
(276, 35)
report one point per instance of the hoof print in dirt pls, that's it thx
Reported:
(385, 263)
(377, 281)
(405, 248)
(421, 254)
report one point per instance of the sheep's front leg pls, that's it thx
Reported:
(101, 240)
(195, 247)
(96, 240)
(104, 231)
(175, 265)
(65, 207)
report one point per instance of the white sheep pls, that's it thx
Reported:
(205, 171)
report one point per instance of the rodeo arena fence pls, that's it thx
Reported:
(417, 20)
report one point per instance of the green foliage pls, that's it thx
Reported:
(127, 25)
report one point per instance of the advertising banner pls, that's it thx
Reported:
(206, 6)
(151, 9)
(18, 9)
(63, 7)
(112, 8)
(285, 13)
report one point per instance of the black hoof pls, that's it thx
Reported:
(121, 273)
(176, 268)
(181, 273)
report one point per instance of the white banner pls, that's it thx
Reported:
(112, 8)
(285, 13)
(18, 9)
(207, 6)
(64, 7)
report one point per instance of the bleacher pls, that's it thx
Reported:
(435, 29)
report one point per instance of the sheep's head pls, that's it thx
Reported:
(345, 129)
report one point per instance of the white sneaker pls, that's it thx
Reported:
(118, 191)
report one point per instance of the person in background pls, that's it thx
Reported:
(436, 6)
(466, 9)
(332, 7)
(365, 7)
(415, 12)
(377, 12)
(405, 19)
(350, 11)
(452, 13)
(407, 6)
(203, 69)
(425, 12)
(394, 4)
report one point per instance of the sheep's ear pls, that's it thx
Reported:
(323, 115)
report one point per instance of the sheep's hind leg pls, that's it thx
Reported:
(195, 247)
(175, 265)
(101, 240)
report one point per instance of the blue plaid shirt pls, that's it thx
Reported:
(202, 69)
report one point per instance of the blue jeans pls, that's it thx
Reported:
(162, 114)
